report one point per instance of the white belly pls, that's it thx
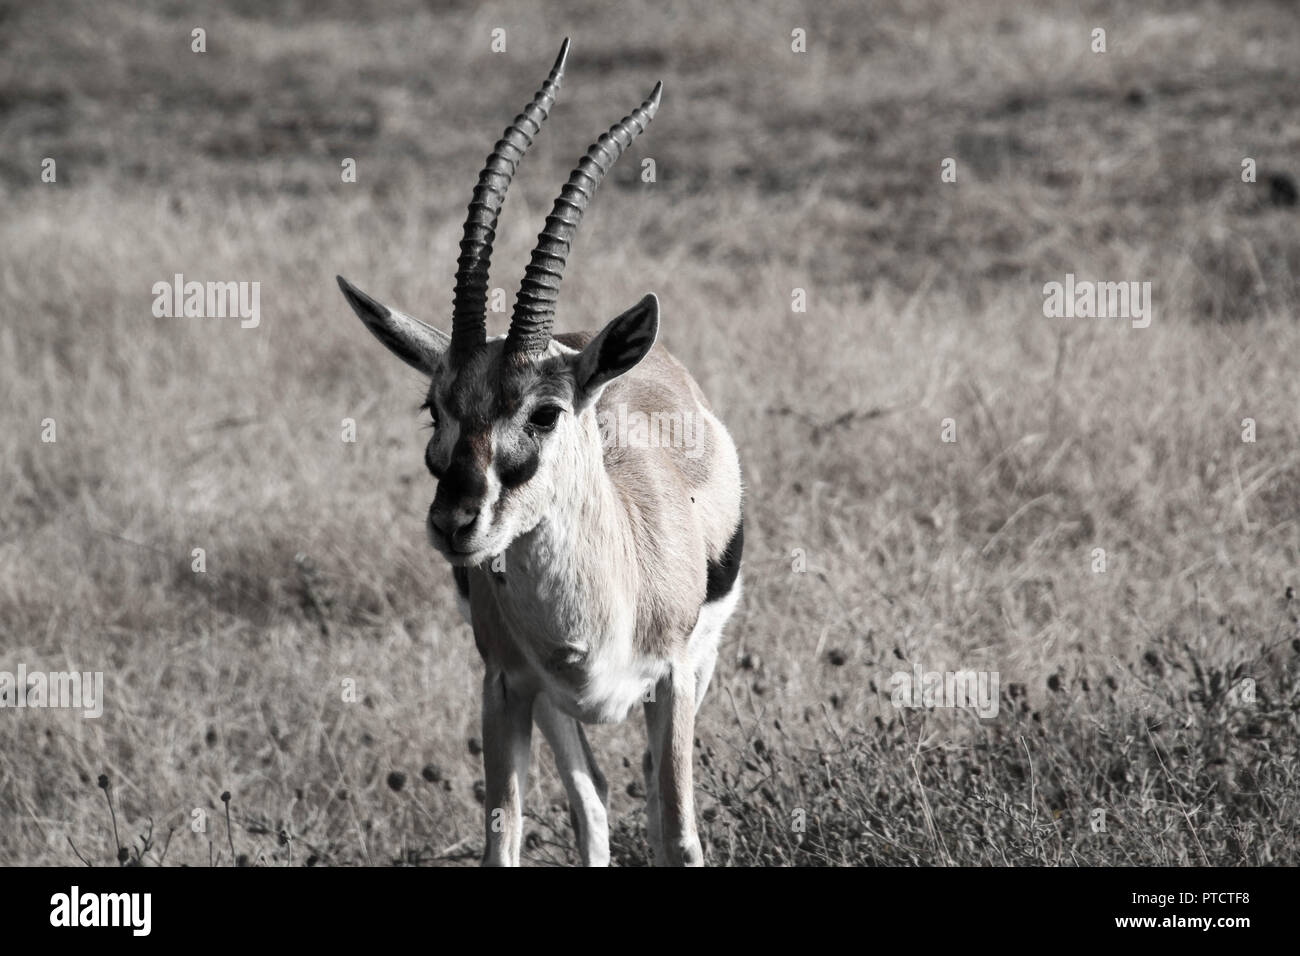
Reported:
(604, 688)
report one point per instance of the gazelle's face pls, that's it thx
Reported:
(511, 430)
(504, 433)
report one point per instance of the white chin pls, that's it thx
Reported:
(462, 559)
(474, 559)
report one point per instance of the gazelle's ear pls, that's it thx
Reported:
(616, 348)
(418, 345)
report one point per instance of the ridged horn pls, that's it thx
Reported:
(469, 308)
(530, 325)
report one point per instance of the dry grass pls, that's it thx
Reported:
(1121, 691)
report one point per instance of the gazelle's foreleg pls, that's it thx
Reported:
(583, 781)
(670, 726)
(654, 832)
(507, 733)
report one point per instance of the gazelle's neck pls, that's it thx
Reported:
(575, 573)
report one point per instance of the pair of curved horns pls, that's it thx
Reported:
(534, 312)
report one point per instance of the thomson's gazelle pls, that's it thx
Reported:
(596, 567)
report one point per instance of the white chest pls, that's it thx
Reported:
(577, 646)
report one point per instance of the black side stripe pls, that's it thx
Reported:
(723, 572)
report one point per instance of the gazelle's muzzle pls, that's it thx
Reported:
(462, 493)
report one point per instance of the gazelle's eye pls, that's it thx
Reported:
(544, 417)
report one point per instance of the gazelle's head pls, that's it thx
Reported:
(513, 415)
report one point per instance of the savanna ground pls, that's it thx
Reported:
(1159, 695)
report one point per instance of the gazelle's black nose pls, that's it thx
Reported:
(453, 523)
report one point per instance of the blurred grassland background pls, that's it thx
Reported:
(1121, 692)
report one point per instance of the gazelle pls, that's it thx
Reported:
(597, 573)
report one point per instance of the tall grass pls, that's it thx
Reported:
(872, 545)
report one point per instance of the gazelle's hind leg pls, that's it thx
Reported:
(583, 782)
(702, 655)
(707, 636)
(670, 727)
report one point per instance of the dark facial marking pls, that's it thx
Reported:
(545, 382)
(469, 397)
(519, 463)
(429, 461)
(477, 397)
(464, 479)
